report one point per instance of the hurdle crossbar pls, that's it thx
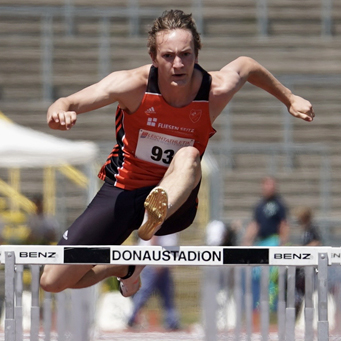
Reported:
(181, 255)
(14, 256)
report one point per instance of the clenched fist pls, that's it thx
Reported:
(61, 120)
(301, 108)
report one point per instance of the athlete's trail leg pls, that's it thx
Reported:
(56, 278)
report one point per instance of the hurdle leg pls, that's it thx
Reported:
(47, 311)
(264, 302)
(238, 295)
(281, 303)
(209, 302)
(225, 273)
(35, 316)
(338, 309)
(80, 313)
(248, 302)
(61, 315)
(9, 296)
(290, 310)
(18, 310)
(309, 305)
(323, 324)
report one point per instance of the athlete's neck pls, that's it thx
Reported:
(181, 95)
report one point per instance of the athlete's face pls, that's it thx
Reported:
(175, 56)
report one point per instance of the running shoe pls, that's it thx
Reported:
(131, 285)
(156, 205)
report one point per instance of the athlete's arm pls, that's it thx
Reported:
(227, 81)
(125, 87)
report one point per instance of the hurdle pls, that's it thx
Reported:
(15, 257)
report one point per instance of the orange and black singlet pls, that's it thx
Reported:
(148, 139)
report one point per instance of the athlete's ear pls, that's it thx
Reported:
(153, 60)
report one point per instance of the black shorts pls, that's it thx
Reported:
(115, 213)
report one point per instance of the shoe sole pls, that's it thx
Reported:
(156, 205)
(131, 294)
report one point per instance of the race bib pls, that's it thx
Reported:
(159, 148)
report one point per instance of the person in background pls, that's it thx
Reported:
(269, 227)
(310, 236)
(219, 233)
(43, 228)
(157, 279)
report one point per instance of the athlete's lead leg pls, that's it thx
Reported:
(182, 176)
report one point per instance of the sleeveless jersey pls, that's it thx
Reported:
(148, 139)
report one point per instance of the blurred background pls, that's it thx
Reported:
(52, 48)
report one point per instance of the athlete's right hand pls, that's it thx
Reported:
(61, 120)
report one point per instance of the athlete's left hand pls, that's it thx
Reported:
(301, 108)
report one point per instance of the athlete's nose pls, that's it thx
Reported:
(177, 63)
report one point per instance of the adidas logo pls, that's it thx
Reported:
(151, 110)
(65, 234)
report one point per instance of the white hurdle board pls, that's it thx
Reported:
(15, 256)
(181, 255)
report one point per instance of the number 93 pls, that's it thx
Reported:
(166, 156)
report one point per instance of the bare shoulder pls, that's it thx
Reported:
(125, 80)
(224, 86)
(140, 74)
(127, 86)
(225, 83)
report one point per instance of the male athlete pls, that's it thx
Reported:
(163, 122)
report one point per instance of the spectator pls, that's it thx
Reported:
(269, 226)
(43, 228)
(220, 234)
(310, 236)
(157, 279)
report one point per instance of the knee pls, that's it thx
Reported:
(49, 283)
(189, 156)
(189, 152)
